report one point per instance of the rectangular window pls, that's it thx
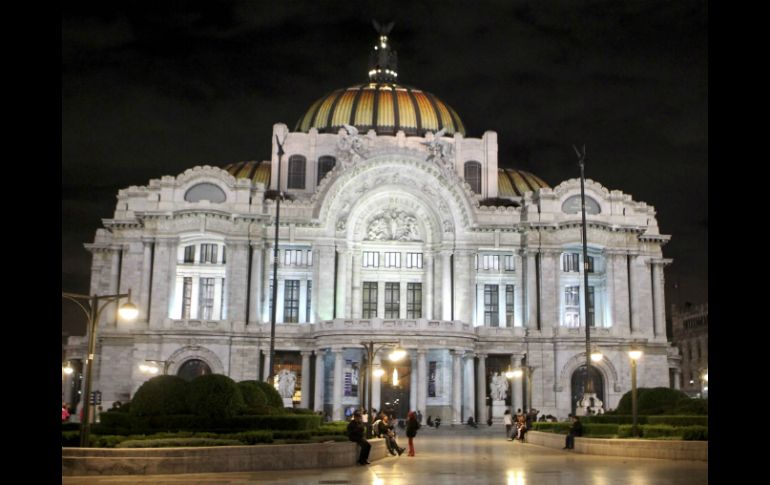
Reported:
(591, 264)
(223, 298)
(414, 300)
(432, 378)
(291, 301)
(392, 300)
(370, 299)
(491, 306)
(189, 254)
(591, 320)
(308, 300)
(296, 172)
(490, 261)
(224, 254)
(510, 262)
(309, 257)
(392, 260)
(570, 262)
(414, 260)
(186, 298)
(509, 305)
(370, 259)
(208, 253)
(206, 299)
(572, 306)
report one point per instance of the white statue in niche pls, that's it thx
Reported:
(498, 387)
(286, 381)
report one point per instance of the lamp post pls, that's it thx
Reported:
(396, 355)
(274, 296)
(634, 355)
(90, 306)
(589, 388)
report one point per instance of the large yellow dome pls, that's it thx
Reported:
(384, 107)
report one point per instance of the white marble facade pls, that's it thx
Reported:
(396, 242)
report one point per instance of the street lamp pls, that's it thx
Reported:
(274, 297)
(396, 355)
(68, 369)
(90, 306)
(635, 355)
(589, 388)
(704, 378)
(153, 368)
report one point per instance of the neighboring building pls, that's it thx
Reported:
(690, 327)
(388, 233)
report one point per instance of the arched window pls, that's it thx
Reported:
(325, 165)
(193, 368)
(296, 172)
(473, 175)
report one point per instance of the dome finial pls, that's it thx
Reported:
(383, 62)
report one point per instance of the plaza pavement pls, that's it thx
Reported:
(455, 456)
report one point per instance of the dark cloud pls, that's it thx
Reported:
(153, 88)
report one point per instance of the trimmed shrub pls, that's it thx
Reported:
(70, 438)
(613, 418)
(299, 411)
(679, 420)
(273, 398)
(114, 422)
(656, 400)
(692, 406)
(695, 433)
(215, 396)
(560, 428)
(595, 429)
(160, 396)
(174, 442)
(253, 396)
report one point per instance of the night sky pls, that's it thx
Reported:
(154, 88)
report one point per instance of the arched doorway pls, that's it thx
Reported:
(578, 384)
(193, 368)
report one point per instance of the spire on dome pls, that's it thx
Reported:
(383, 63)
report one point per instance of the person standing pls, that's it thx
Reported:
(65, 412)
(356, 431)
(575, 429)
(508, 421)
(411, 430)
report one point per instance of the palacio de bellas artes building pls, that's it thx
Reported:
(395, 226)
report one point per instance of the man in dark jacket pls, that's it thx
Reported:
(575, 429)
(356, 431)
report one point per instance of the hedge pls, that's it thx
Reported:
(160, 396)
(215, 396)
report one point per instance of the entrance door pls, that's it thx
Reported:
(395, 397)
(578, 384)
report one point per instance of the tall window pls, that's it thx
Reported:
(414, 260)
(186, 297)
(491, 306)
(572, 306)
(473, 175)
(325, 165)
(392, 299)
(206, 299)
(392, 260)
(296, 172)
(370, 299)
(189, 254)
(510, 262)
(509, 305)
(308, 300)
(291, 301)
(224, 254)
(208, 253)
(223, 298)
(370, 259)
(414, 300)
(570, 262)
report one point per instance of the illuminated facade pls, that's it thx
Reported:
(387, 233)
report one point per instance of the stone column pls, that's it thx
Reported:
(530, 290)
(446, 285)
(377, 385)
(163, 276)
(267, 275)
(517, 384)
(422, 380)
(342, 272)
(305, 388)
(677, 379)
(337, 388)
(323, 288)
(318, 398)
(413, 381)
(265, 368)
(355, 282)
(470, 398)
(464, 275)
(518, 292)
(144, 292)
(236, 275)
(110, 313)
(427, 304)
(456, 386)
(549, 288)
(255, 298)
(658, 300)
(481, 389)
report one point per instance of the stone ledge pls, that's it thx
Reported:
(666, 449)
(152, 461)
